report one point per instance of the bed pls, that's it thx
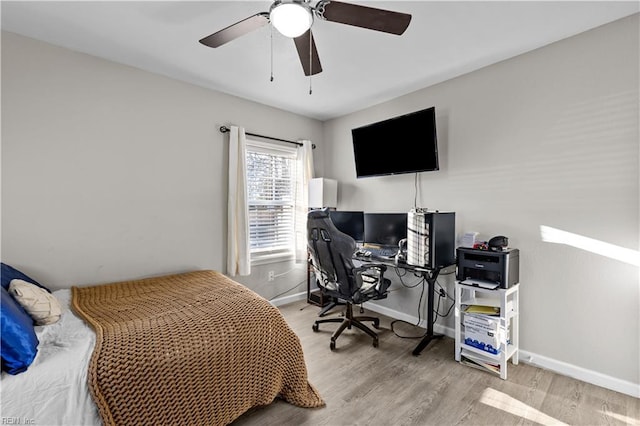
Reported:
(191, 348)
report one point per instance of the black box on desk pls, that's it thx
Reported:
(501, 267)
(431, 238)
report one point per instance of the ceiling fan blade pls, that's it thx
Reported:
(303, 44)
(236, 30)
(364, 17)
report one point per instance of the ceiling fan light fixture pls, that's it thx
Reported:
(292, 18)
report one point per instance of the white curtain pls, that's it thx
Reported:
(238, 254)
(305, 174)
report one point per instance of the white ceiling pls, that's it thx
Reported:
(360, 67)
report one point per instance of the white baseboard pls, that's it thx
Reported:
(560, 367)
(580, 373)
(289, 299)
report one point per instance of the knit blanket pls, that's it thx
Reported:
(194, 348)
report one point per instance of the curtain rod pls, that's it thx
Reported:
(225, 129)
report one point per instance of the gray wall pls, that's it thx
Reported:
(549, 138)
(110, 172)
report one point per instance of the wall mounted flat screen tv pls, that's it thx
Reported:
(403, 144)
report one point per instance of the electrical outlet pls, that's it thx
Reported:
(272, 276)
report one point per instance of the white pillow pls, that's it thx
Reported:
(41, 305)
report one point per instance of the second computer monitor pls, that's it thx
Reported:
(349, 222)
(385, 228)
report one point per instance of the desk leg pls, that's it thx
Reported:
(429, 336)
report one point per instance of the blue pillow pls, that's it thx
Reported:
(18, 340)
(9, 273)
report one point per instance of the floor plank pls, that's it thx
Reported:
(363, 385)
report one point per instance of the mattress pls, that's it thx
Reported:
(54, 390)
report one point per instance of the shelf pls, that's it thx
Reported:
(472, 361)
(486, 301)
(494, 357)
(509, 313)
(507, 300)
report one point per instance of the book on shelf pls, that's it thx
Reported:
(483, 310)
(473, 360)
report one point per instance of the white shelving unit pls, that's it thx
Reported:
(508, 302)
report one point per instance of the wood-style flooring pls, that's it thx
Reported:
(363, 385)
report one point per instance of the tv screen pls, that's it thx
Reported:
(385, 229)
(404, 144)
(350, 223)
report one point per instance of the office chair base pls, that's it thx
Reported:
(347, 322)
(334, 303)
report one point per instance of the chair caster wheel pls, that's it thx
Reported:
(332, 345)
(375, 343)
(315, 327)
(376, 324)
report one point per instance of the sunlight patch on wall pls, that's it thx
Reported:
(504, 402)
(553, 235)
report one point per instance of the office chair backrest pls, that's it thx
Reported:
(331, 252)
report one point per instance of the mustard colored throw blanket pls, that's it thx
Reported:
(194, 348)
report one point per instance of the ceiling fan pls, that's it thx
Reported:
(294, 18)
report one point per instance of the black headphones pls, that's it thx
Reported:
(498, 243)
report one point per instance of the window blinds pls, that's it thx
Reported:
(271, 172)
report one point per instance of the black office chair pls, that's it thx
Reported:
(331, 254)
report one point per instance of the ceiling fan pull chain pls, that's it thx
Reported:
(271, 53)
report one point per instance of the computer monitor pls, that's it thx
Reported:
(349, 222)
(385, 229)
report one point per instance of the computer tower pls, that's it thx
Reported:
(431, 238)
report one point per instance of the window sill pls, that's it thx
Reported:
(272, 258)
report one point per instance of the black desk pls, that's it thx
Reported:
(430, 275)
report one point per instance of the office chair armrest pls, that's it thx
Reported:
(373, 270)
(379, 266)
(371, 280)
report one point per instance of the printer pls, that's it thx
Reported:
(499, 267)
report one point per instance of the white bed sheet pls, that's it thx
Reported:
(54, 389)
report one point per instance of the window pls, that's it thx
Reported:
(271, 196)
